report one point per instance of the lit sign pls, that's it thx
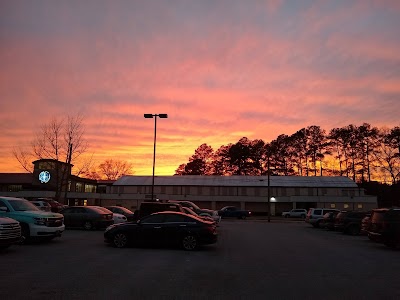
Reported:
(44, 177)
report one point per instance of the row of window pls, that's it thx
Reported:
(229, 191)
(346, 206)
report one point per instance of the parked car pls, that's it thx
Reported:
(376, 224)
(191, 212)
(163, 229)
(295, 213)
(315, 215)
(118, 218)
(10, 232)
(42, 205)
(147, 208)
(55, 205)
(391, 228)
(365, 223)
(200, 211)
(130, 215)
(385, 226)
(233, 212)
(87, 217)
(34, 222)
(328, 220)
(349, 222)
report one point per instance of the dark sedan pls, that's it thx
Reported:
(87, 217)
(234, 212)
(130, 216)
(163, 229)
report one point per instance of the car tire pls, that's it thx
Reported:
(317, 224)
(25, 233)
(87, 225)
(120, 240)
(286, 216)
(243, 217)
(189, 242)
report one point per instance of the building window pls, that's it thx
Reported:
(283, 191)
(333, 205)
(224, 191)
(212, 191)
(79, 187)
(187, 190)
(256, 191)
(199, 190)
(47, 165)
(324, 191)
(90, 188)
(345, 205)
(14, 188)
(163, 189)
(310, 192)
(139, 189)
(297, 191)
(69, 185)
(175, 190)
(243, 191)
(359, 205)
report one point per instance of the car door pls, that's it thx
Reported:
(175, 225)
(67, 216)
(149, 230)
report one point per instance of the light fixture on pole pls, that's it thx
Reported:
(149, 116)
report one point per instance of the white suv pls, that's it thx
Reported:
(295, 213)
(315, 215)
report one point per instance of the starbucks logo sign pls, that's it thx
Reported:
(44, 177)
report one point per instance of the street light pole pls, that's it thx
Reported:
(149, 116)
(269, 193)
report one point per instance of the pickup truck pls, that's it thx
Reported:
(233, 212)
(10, 232)
(295, 213)
(33, 221)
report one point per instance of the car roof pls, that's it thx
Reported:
(178, 213)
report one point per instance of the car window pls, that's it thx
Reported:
(318, 212)
(159, 218)
(2, 204)
(22, 205)
(174, 218)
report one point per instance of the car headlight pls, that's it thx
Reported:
(40, 221)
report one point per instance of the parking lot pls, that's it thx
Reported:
(252, 260)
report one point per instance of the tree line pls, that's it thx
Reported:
(362, 153)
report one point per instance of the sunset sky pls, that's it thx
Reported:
(221, 70)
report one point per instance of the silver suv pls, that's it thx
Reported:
(10, 232)
(315, 215)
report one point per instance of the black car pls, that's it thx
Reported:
(233, 212)
(87, 217)
(163, 229)
(130, 215)
(349, 222)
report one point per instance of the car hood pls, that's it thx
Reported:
(6, 220)
(37, 214)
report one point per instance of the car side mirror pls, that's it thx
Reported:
(3, 209)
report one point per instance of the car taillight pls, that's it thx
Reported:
(211, 229)
(249, 212)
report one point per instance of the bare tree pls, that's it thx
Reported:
(61, 140)
(114, 169)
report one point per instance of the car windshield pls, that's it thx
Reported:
(22, 205)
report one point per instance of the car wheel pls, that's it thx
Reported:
(189, 242)
(88, 225)
(286, 216)
(317, 224)
(25, 233)
(243, 217)
(120, 240)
